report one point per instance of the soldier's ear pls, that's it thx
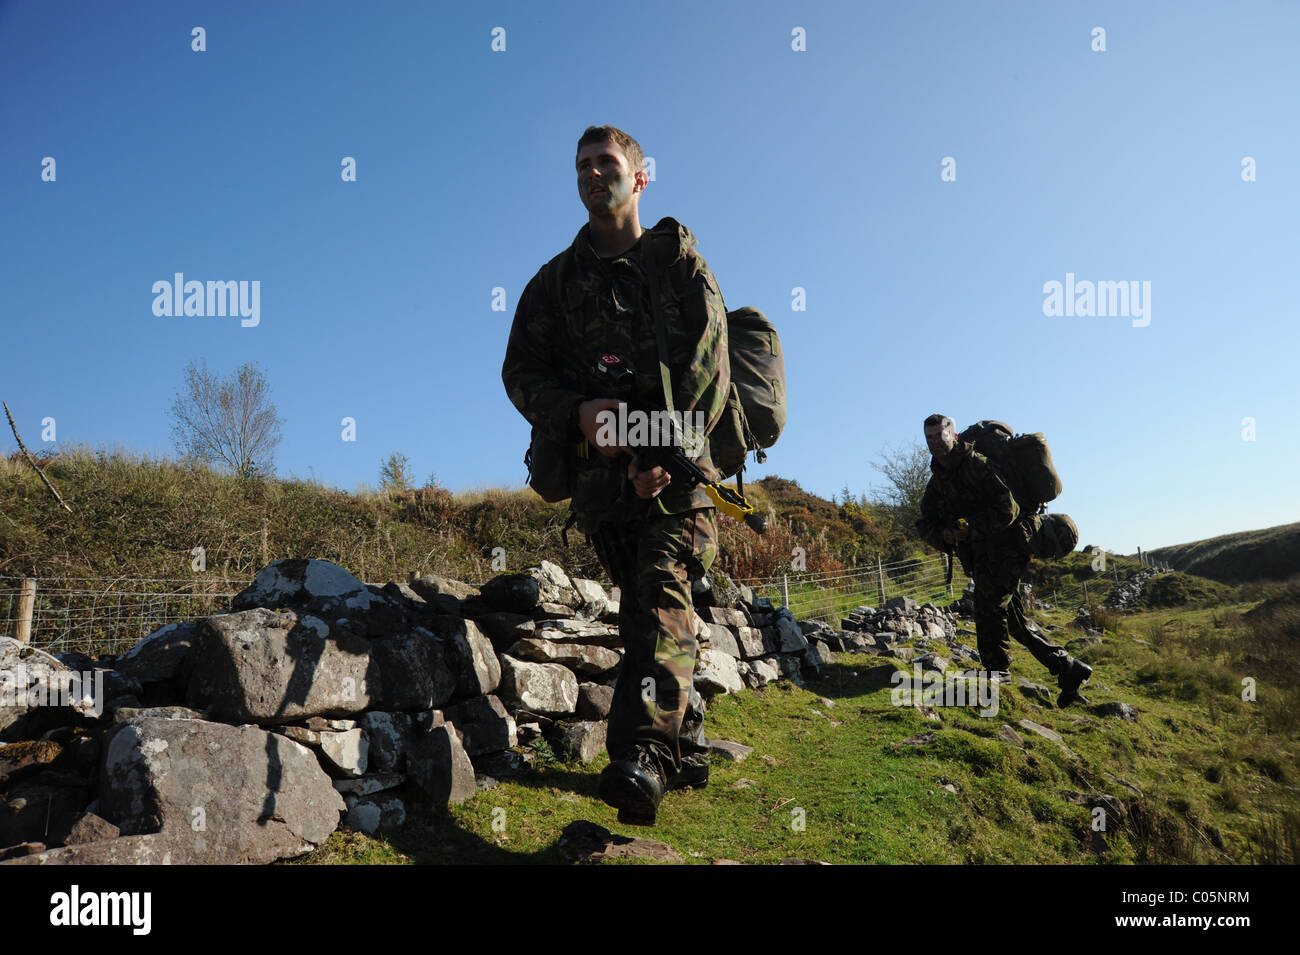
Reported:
(642, 181)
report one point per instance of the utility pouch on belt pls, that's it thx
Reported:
(552, 467)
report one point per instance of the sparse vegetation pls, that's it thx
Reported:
(1206, 774)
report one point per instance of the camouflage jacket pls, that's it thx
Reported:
(973, 490)
(579, 307)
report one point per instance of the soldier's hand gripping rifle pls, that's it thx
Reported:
(728, 500)
(668, 451)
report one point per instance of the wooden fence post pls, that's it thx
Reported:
(880, 581)
(26, 604)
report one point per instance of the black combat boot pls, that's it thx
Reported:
(634, 786)
(1071, 680)
(694, 772)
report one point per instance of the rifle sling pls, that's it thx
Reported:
(661, 333)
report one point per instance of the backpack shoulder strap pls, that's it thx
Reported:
(553, 274)
(661, 334)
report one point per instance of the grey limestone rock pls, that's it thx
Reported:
(346, 753)
(484, 724)
(161, 655)
(315, 586)
(722, 639)
(215, 793)
(735, 752)
(438, 764)
(387, 733)
(583, 740)
(264, 666)
(585, 661)
(594, 701)
(546, 688)
(470, 655)
(584, 841)
(371, 814)
(716, 672)
(1124, 711)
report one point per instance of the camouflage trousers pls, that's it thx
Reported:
(653, 561)
(1000, 612)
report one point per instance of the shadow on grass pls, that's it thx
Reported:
(431, 837)
(435, 838)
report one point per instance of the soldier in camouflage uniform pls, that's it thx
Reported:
(968, 508)
(591, 302)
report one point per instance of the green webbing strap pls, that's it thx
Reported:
(661, 333)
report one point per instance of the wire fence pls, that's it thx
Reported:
(830, 596)
(99, 616)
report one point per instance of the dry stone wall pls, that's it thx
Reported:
(317, 700)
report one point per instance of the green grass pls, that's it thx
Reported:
(1217, 785)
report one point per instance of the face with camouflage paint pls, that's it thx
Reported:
(941, 438)
(606, 185)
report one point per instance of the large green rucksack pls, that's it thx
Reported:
(1051, 535)
(755, 415)
(1023, 461)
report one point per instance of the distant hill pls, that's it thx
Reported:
(1269, 554)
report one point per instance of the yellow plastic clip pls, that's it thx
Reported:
(729, 501)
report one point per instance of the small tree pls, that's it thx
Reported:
(395, 475)
(227, 421)
(907, 472)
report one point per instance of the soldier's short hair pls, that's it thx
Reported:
(940, 419)
(612, 134)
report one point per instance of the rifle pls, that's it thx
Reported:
(668, 451)
(730, 501)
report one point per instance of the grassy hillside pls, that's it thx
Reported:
(139, 517)
(1269, 554)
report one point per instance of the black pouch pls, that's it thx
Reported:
(552, 467)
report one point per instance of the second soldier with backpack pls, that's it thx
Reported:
(983, 511)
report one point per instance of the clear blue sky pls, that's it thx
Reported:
(819, 169)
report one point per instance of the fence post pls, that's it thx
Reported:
(880, 581)
(26, 604)
(266, 553)
(785, 591)
(947, 572)
(1085, 592)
